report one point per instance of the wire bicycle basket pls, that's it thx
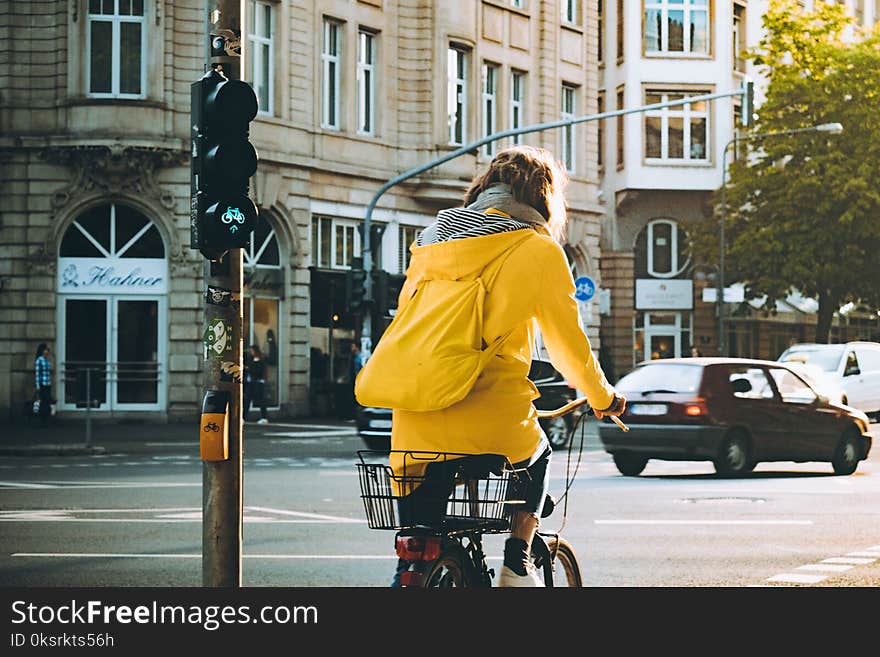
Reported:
(443, 491)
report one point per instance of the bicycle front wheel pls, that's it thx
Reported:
(555, 558)
(451, 570)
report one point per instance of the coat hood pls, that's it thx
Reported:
(462, 258)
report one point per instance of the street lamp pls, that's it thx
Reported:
(830, 128)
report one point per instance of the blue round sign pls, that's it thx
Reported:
(584, 288)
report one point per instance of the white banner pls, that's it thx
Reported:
(112, 275)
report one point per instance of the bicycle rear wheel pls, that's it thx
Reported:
(555, 558)
(451, 570)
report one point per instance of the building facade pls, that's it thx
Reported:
(94, 172)
(660, 170)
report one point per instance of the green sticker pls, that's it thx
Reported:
(218, 338)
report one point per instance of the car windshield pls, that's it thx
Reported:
(660, 377)
(825, 358)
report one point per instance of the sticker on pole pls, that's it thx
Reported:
(584, 288)
(218, 338)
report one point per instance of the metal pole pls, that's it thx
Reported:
(88, 406)
(222, 480)
(366, 331)
(722, 346)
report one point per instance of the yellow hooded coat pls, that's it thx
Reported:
(533, 284)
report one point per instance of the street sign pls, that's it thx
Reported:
(585, 288)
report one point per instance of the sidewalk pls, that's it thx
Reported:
(70, 436)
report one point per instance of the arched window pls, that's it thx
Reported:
(112, 231)
(661, 250)
(112, 293)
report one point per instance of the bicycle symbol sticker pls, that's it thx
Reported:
(211, 426)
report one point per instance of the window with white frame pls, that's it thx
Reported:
(679, 26)
(406, 236)
(490, 105)
(261, 69)
(569, 109)
(678, 133)
(570, 11)
(366, 82)
(335, 242)
(330, 51)
(661, 250)
(116, 42)
(739, 40)
(517, 102)
(456, 69)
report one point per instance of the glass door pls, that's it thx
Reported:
(83, 364)
(136, 348)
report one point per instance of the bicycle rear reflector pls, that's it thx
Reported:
(418, 548)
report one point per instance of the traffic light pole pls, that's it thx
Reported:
(745, 91)
(222, 480)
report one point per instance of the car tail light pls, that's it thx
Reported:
(418, 548)
(695, 409)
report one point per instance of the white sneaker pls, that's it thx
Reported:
(509, 579)
(262, 420)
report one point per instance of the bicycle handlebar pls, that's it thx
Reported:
(574, 404)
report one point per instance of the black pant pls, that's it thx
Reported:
(255, 393)
(45, 393)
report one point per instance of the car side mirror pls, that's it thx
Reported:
(742, 385)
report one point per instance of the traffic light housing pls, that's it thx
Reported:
(387, 288)
(355, 290)
(222, 215)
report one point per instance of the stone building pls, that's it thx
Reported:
(94, 175)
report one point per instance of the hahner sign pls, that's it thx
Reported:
(113, 275)
(664, 294)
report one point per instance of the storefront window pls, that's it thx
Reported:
(112, 288)
(263, 290)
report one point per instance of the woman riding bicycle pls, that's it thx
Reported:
(515, 211)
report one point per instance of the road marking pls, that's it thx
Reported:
(795, 578)
(303, 514)
(251, 515)
(865, 553)
(109, 484)
(109, 555)
(856, 561)
(828, 567)
(703, 522)
(15, 484)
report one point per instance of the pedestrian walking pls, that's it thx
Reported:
(43, 380)
(255, 384)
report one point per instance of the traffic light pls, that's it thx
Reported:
(222, 215)
(748, 103)
(355, 279)
(387, 288)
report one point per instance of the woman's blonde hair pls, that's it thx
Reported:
(535, 178)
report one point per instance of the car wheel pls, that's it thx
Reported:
(847, 455)
(630, 465)
(557, 431)
(734, 457)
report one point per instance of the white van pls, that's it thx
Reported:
(855, 365)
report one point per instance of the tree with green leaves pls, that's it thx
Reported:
(803, 210)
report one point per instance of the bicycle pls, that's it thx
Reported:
(472, 497)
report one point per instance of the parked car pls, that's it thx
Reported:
(374, 424)
(852, 366)
(733, 412)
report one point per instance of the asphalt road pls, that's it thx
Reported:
(131, 516)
